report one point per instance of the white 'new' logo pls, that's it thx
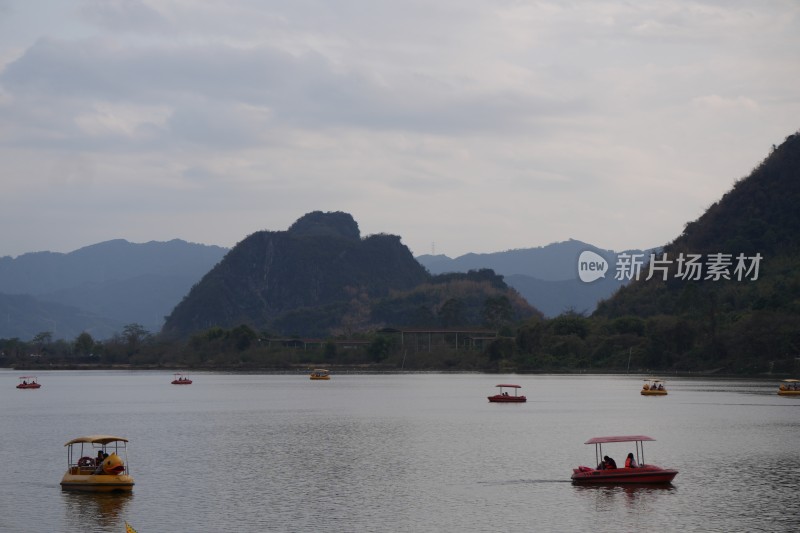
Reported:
(591, 266)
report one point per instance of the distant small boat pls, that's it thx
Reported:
(320, 373)
(789, 387)
(28, 382)
(105, 473)
(181, 379)
(603, 474)
(504, 397)
(654, 387)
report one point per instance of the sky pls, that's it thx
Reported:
(459, 125)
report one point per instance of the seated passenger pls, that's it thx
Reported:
(609, 462)
(630, 462)
(101, 456)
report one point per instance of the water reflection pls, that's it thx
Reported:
(632, 497)
(89, 511)
(401, 453)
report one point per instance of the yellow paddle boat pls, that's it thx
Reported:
(97, 463)
(320, 373)
(789, 387)
(654, 387)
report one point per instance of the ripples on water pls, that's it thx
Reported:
(397, 453)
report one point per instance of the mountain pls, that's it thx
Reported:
(546, 276)
(554, 262)
(738, 308)
(100, 288)
(319, 261)
(321, 278)
(24, 317)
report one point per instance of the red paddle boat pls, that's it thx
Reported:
(181, 379)
(28, 382)
(636, 472)
(504, 397)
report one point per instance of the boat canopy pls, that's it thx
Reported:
(97, 439)
(34, 377)
(511, 386)
(618, 438)
(791, 380)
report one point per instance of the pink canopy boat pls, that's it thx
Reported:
(504, 397)
(642, 473)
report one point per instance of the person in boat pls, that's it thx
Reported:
(101, 456)
(660, 386)
(646, 386)
(609, 463)
(24, 382)
(630, 462)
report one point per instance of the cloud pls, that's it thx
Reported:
(716, 102)
(481, 125)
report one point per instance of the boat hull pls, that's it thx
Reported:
(789, 392)
(507, 399)
(96, 483)
(318, 378)
(184, 382)
(654, 392)
(642, 475)
(29, 386)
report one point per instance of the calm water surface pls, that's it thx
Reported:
(412, 452)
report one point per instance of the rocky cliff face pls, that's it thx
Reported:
(321, 260)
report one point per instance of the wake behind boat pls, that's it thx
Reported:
(635, 471)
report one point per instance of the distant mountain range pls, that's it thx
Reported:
(99, 288)
(546, 276)
(103, 287)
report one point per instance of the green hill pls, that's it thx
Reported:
(719, 315)
(321, 278)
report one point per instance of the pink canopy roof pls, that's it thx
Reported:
(618, 438)
(512, 386)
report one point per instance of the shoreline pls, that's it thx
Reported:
(301, 369)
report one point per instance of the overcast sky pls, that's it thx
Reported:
(479, 126)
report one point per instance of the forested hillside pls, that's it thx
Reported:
(744, 313)
(317, 278)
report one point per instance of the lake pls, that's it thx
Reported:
(398, 452)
